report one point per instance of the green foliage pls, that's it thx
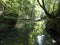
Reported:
(20, 32)
(52, 5)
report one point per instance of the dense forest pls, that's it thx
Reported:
(23, 22)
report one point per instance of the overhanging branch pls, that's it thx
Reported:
(39, 4)
(43, 4)
(31, 20)
(49, 15)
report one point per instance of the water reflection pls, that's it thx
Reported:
(40, 39)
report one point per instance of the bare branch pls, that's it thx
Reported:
(45, 10)
(43, 7)
(43, 4)
(39, 4)
(30, 20)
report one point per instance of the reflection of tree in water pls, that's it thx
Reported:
(9, 36)
(13, 37)
(8, 33)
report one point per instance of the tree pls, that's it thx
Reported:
(13, 21)
(54, 16)
(19, 17)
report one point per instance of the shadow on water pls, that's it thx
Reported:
(13, 36)
(9, 36)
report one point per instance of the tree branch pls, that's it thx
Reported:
(43, 4)
(39, 4)
(45, 10)
(31, 20)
